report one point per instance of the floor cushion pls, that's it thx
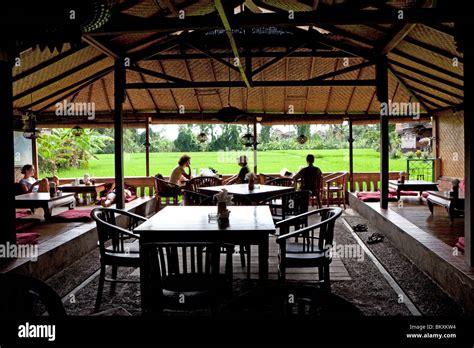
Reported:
(393, 192)
(460, 244)
(22, 213)
(73, 215)
(374, 197)
(27, 238)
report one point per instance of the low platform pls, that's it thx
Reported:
(61, 244)
(440, 261)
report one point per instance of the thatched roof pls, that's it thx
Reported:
(424, 64)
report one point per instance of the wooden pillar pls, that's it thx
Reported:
(7, 155)
(350, 139)
(119, 98)
(255, 145)
(147, 146)
(34, 153)
(382, 96)
(465, 43)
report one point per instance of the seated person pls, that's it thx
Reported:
(241, 177)
(178, 175)
(310, 176)
(109, 198)
(30, 184)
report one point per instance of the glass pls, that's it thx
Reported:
(212, 217)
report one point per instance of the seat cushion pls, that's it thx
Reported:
(460, 244)
(23, 224)
(27, 238)
(20, 213)
(373, 197)
(73, 215)
(393, 192)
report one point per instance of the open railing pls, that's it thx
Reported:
(366, 181)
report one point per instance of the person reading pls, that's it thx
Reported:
(30, 184)
(310, 176)
(179, 176)
(239, 178)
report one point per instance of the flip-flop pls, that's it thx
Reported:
(375, 238)
(360, 228)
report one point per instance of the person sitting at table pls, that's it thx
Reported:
(310, 176)
(178, 175)
(241, 177)
(30, 184)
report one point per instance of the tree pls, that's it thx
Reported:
(303, 129)
(265, 134)
(186, 141)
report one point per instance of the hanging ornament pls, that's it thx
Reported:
(77, 131)
(202, 137)
(302, 139)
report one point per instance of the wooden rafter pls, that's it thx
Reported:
(402, 82)
(156, 74)
(342, 71)
(353, 91)
(209, 54)
(311, 69)
(393, 41)
(430, 85)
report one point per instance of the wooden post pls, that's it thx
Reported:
(34, 153)
(119, 97)
(464, 42)
(7, 155)
(350, 139)
(382, 96)
(255, 145)
(147, 146)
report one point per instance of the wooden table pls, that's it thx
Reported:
(259, 193)
(94, 189)
(454, 205)
(247, 225)
(413, 185)
(45, 201)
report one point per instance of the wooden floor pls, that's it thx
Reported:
(416, 211)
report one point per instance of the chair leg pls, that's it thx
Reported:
(344, 200)
(100, 288)
(114, 276)
(321, 273)
(327, 282)
(242, 255)
(248, 247)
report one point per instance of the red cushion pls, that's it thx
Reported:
(462, 185)
(130, 198)
(425, 195)
(373, 196)
(21, 214)
(77, 215)
(21, 224)
(393, 192)
(460, 244)
(27, 238)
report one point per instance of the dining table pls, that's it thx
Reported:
(257, 194)
(45, 201)
(246, 225)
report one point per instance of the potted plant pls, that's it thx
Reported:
(418, 153)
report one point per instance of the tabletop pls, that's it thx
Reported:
(412, 182)
(81, 185)
(196, 218)
(41, 196)
(446, 194)
(243, 189)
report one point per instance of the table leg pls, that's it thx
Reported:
(430, 205)
(263, 259)
(398, 194)
(47, 212)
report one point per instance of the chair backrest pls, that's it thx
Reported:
(288, 204)
(312, 181)
(336, 179)
(282, 182)
(326, 228)
(203, 181)
(236, 200)
(193, 198)
(109, 230)
(165, 188)
(163, 261)
(23, 296)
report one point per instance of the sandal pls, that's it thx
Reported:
(360, 228)
(375, 238)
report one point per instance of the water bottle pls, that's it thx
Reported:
(194, 172)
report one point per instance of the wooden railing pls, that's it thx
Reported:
(369, 181)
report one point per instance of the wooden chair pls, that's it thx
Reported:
(203, 181)
(315, 186)
(288, 204)
(193, 198)
(314, 250)
(166, 190)
(21, 296)
(176, 275)
(118, 246)
(335, 184)
(244, 249)
(289, 182)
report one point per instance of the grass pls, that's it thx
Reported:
(365, 160)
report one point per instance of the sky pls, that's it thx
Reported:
(170, 131)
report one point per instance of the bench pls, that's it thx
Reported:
(454, 206)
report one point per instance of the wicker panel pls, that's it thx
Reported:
(144, 9)
(435, 38)
(33, 57)
(55, 69)
(451, 143)
(434, 92)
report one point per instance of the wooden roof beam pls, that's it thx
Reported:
(406, 87)
(211, 55)
(393, 41)
(156, 74)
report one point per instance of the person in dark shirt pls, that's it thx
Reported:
(241, 177)
(310, 176)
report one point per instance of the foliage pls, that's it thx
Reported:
(61, 149)
(410, 154)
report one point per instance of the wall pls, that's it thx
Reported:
(450, 139)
